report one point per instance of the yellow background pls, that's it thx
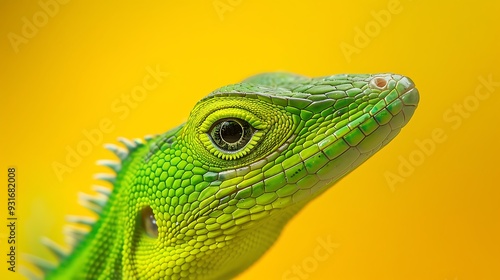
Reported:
(442, 222)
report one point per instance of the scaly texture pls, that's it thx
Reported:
(208, 198)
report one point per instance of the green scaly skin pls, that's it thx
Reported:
(218, 211)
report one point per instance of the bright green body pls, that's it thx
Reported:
(217, 211)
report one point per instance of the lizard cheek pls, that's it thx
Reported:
(149, 222)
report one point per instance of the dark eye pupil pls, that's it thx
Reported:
(231, 131)
(231, 135)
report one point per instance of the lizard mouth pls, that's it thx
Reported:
(403, 99)
(371, 131)
(410, 97)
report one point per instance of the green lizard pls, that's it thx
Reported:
(206, 199)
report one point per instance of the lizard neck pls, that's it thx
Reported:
(100, 253)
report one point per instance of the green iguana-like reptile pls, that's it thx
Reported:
(205, 200)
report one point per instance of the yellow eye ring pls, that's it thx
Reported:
(231, 133)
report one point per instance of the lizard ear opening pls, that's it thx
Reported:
(149, 222)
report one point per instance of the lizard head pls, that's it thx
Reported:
(213, 194)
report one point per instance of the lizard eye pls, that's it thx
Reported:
(231, 135)
(149, 222)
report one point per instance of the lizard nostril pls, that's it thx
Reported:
(379, 82)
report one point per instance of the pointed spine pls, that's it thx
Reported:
(105, 177)
(99, 200)
(114, 165)
(131, 146)
(55, 248)
(102, 190)
(138, 142)
(74, 235)
(26, 272)
(81, 220)
(121, 153)
(93, 203)
(44, 265)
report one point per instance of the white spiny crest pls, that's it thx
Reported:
(55, 248)
(131, 145)
(106, 177)
(26, 272)
(138, 141)
(120, 152)
(114, 165)
(82, 220)
(74, 234)
(95, 203)
(102, 190)
(42, 264)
